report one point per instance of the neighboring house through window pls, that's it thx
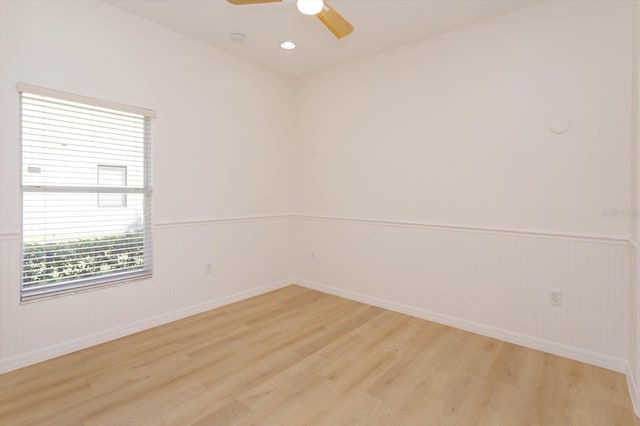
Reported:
(86, 182)
(112, 176)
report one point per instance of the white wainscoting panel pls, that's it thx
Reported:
(486, 281)
(634, 390)
(633, 370)
(250, 256)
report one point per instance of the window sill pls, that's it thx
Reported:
(83, 288)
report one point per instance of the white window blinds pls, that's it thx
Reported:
(86, 182)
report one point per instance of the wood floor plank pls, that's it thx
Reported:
(299, 357)
(233, 414)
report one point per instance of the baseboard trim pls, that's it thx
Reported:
(49, 352)
(582, 355)
(634, 390)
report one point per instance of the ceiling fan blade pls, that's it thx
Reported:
(339, 26)
(242, 2)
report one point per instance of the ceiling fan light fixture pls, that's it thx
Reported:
(331, 19)
(310, 7)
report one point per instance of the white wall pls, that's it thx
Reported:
(451, 134)
(221, 147)
(454, 130)
(634, 283)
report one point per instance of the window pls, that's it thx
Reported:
(86, 187)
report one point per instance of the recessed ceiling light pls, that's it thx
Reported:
(288, 45)
(310, 7)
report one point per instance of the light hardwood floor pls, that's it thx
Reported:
(298, 357)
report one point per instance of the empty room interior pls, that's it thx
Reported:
(307, 212)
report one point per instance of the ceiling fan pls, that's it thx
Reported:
(339, 26)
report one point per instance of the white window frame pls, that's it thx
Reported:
(77, 285)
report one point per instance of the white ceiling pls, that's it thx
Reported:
(380, 25)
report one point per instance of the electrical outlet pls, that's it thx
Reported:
(208, 268)
(555, 297)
